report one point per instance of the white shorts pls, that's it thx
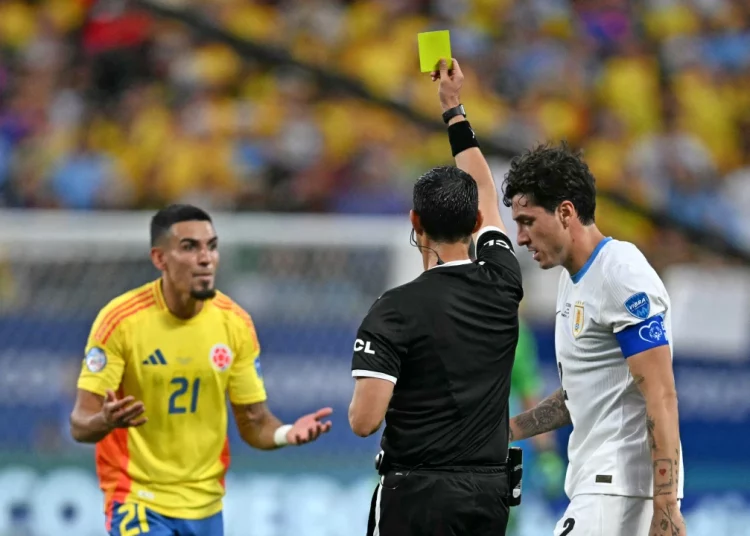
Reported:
(606, 515)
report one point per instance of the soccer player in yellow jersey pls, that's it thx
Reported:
(159, 362)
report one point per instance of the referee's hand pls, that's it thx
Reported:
(309, 427)
(451, 81)
(123, 413)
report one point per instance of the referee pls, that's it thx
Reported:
(434, 357)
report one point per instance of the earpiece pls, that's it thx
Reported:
(413, 242)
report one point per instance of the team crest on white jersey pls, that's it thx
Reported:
(220, 357)
(578, 319)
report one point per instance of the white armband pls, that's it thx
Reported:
(279, 436)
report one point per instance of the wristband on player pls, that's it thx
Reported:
(279, 436)
(461, 137)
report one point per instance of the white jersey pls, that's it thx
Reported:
(615, 307)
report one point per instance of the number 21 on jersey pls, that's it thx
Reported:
(184, 395)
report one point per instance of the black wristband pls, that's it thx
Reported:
(461, 137)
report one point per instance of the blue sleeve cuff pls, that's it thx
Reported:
(644, 336)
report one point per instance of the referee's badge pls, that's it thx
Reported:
(220, 357)
(578, 319)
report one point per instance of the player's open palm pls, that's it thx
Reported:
(451, 81)
(667, 521)
(309, 427)
(122, 413)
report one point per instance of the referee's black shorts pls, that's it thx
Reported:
(455, 501)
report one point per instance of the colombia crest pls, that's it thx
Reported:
(220, 357)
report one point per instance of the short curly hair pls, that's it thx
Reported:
(547, 175)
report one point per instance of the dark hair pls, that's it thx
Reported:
(163, 220)
(447, 202)
(548, 175)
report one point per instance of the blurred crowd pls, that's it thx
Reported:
(105, 106)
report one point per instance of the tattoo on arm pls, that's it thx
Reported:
(550, 414)
(650, 425)
(670, 523)
(666, 469)
(663, 477)
(662, 434)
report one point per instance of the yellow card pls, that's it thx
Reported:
(432, 47)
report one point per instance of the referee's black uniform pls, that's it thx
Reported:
(447, 340)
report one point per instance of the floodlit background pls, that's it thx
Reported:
(302, 126)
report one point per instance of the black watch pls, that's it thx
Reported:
(453, 112)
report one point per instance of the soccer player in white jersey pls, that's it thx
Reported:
(614, 357)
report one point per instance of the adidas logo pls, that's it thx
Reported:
(157, 358)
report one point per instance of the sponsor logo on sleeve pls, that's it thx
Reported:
(639, 305)
(258, 370)
(96, 360)
(502, 242)
(498, 242)
(360, 345)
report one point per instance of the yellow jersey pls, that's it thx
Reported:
(181, 370)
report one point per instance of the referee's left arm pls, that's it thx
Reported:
(376, 365)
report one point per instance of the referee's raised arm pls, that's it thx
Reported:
(432, 359)
(465, 146)
(493, 245)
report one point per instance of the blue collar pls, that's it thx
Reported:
(578, 276)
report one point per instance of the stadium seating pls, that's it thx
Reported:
(118, 109)
(105, 105)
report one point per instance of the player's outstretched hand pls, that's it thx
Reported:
(123, 413)
(309, 427)
(451, 81)
(667, 520)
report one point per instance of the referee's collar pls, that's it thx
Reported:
(453, 263)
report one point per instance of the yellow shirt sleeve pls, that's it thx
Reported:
(245, 377)
(104, 362)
